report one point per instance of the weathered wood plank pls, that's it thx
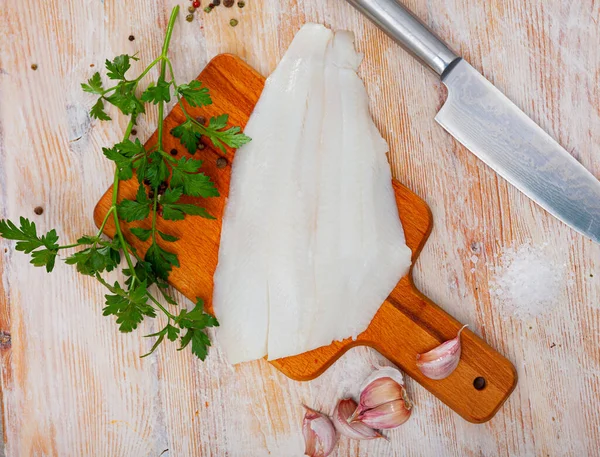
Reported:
(72, 385)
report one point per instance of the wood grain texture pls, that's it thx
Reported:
(72, 385)
(406, 324)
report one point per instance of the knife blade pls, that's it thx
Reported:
(487, 123)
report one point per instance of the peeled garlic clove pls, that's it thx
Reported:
(388, 415)
(355, 430)
(319, 434)
(441, 361)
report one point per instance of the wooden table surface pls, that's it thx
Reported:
(73, 386)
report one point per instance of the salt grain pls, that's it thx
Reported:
(526, 281)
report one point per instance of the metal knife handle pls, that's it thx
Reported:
(400, 24)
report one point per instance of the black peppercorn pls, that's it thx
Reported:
(221, 162)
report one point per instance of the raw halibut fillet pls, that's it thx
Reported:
(261, 199)
(311, 243)
(360, 247)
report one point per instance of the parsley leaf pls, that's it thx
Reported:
(130, 307)
(171, 195)
(188, 136)
(218, 122)
(119, 66)
(137, 210)
(156, 170)
(125, 99)
(162, 261)
(97, 111)
(195, 322)
(141, 233)
(122, 154)
(94, 85)
(190, 132)
(178, 212)
(196, 318)
(129, 148)
(230, 137)
(95, 259)
(167, 237)
(173, 211)
(171, 332)
(122, 162)
(161, 92)
(195, 94)
(194, 184)
(143, 272)
(28, 241)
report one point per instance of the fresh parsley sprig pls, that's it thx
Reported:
(163, 182)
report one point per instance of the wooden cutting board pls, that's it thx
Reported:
(407, 323)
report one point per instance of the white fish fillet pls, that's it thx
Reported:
(262, 183)
(311, 243)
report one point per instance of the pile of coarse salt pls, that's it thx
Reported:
(526, 281)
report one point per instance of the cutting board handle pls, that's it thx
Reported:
(483, 379)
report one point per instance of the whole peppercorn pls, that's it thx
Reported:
(221, 162)
(228, 3)
(189, 17)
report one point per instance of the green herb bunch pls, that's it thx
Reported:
(132, 301)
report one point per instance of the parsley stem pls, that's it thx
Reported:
(104, 283)
(113, 208)
(148, 68)
(106, 216)
(163, 71)
(67, 246)
(161, 307)
(175, 86)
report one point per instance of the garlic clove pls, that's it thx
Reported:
(319, 433)
(388, 415)
(379, 391)
(355, 430)
(383, 385)
(383, 372)
(442, 360)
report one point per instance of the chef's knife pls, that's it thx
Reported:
(487, 123)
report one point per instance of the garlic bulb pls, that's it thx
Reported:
(442, 360)
(356, 430)
(320, 436)
(383, 400)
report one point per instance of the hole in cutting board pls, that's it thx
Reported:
(479, 383)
